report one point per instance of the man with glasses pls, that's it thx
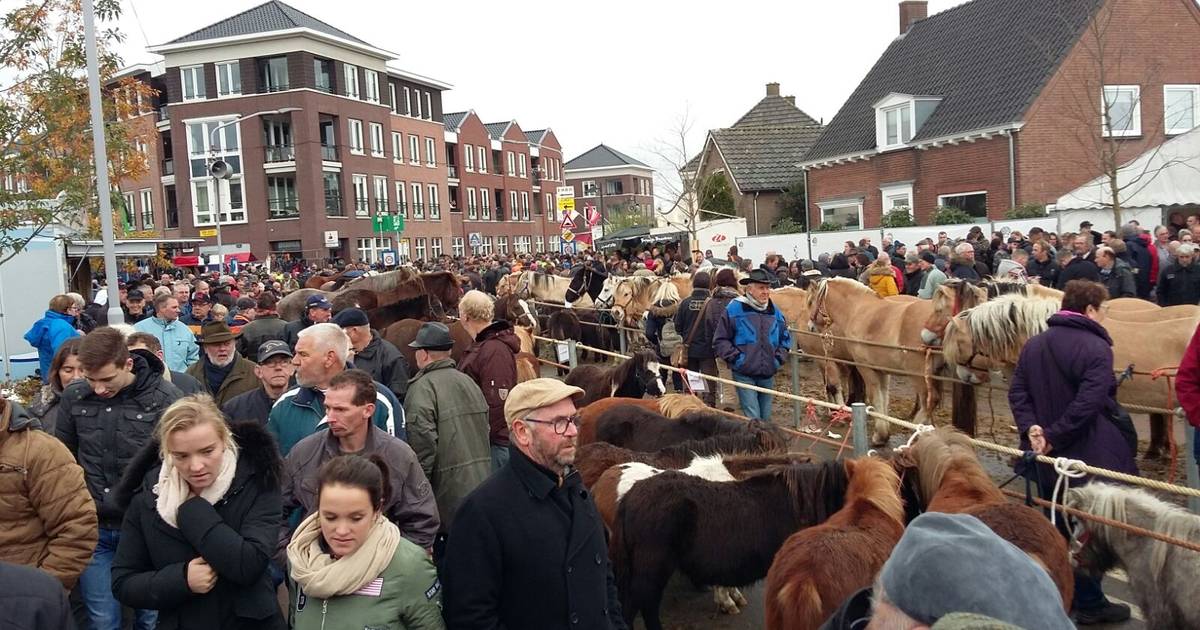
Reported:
(274, 372)
(527, 549)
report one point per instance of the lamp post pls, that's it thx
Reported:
(219, 169)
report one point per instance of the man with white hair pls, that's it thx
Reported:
(1180, 281)
(321, 353)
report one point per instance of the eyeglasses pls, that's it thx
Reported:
(560, 423)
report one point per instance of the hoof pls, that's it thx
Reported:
(726, 600)
(738, 598)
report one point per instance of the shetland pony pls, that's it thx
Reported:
(640, 430)
(592, 459)
(819, 567)
(949, 478)
(675, 521)
(634, 377)
(1162, 576)
(669, 405)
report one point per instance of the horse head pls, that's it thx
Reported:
(818, 311)
(649, 374)
(581, 279)
(958, 349)
(608, 288)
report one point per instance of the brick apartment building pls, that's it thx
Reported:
(996, 103)
(609, 181)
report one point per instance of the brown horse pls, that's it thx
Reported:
(949, 478)
(793, 302)
(675, 521)
(634, 377)
(591, 460)
(403, 332)
(388, 297)
(819, 567)
(641, 430)
(669, 405)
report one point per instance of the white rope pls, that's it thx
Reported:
(921, 428)
(1067, 469)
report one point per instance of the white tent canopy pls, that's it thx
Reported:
(1165, 175)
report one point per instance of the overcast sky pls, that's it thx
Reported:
(620, 72)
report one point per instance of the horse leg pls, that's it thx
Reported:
(875, 386)
(1158, 436)
(646, 591)
(738, 598)
(724, 600)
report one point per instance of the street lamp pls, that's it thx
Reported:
(220, 169)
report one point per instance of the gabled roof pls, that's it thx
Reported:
(265, 18)
(986, 59)
(454, 120)
(764, 158)
(535, 136)
(601, 156)
(774, 111)
(496, 130)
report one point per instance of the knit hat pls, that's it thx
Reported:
(928, 257)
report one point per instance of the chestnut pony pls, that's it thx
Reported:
(819, 567)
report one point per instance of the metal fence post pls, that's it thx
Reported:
(794, 360)
(572, 353)
(1193, 474)
(624, 343)
(858, 416)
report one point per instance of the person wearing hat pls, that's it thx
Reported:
(201, 312)
(372, 353)
(243, 314)
(934, 277)
(754, 340)
(135, 306)
(274, 371)
(266, 327)
(492, 576)
(952, 566)
(317, 310)
(221, 370)
(1090, 236)
(914, 274)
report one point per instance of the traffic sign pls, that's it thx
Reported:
(387, 223)
(207, 233)
(389, 258)
(566, 199)
(568, 223)
(568, 236)
(475, 239)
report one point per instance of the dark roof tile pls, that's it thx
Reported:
(265, 18)
(453, 120)
(496, 129)
(762, 157)
(601, 156)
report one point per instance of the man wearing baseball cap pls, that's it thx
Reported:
(317, 310)
(201, 312)
(274, 372)
(539, 497)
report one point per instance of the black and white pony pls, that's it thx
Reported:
(586, 279)
(632, 378)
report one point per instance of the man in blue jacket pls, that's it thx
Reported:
(178, 343)
(754, 340)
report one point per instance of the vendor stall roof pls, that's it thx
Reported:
(125, 247)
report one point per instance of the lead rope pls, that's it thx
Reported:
(1067, 469)
(921, 428)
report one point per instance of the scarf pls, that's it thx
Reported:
(322, 576)
(172, 489)
(749, 300)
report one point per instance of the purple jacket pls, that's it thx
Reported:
(1064, 382)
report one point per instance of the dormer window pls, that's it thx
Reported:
(898, 117)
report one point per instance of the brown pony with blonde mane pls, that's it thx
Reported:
(950, 479)
(819, 567)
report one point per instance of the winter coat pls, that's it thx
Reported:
(913, 282)
(411, 507)
(1179, 285)
(104, 434)
(754, 343)
(934, 278)
(1064, 382)
(44, 407)
(1119, 280)
(185, 383)
(409, 599)
(964, 269)
(47, 334)
(720, 301)
(491, 361)
(30, 598)
(1141, 259)
(385, 363)
(662, 337)
(1187, 381)
(252, 405)
(241, 379)
(179, 344)
(300, 411)
(687, 316)
(264, 328)
(1047, 272)
(448, 429)
(524, 527)
(236, 536)
(47, 517)
(882, 280)
(291, 330)
(1077, 269)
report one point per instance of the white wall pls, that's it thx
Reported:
(27, 282)
(756, 248)
(1102, 219)
(718, 235)
(835, 242)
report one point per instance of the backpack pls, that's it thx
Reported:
(668, 338)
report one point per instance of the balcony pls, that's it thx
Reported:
(472, 210)
(277, 87)
(435, 210)
(329, 153)
(333, 205)
(324, 87)
(402, 209)
(280, 153)
(168, 167)
(418, 210)
(283, 207)
(361, 207)
(452, 171)
(163, 114)
(537, 177)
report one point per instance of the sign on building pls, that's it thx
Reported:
(388, 257)
(566, 200)
(331, 238)
(475, 240)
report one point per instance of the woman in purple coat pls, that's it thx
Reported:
(1062, 395)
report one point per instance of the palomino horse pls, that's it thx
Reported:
(793, 303)
(955, 296)
(949, 478)
(675, 521)
(807, 583)
(1162, 576)
(633, 295)
(634, 377)
(847, 308)
(545, 287)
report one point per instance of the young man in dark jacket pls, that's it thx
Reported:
(104, 420)
(1080, 267)
(317, 310)
(754, 340)
(1140, 259)
(374, 354)
(689, 316)
(265, 327)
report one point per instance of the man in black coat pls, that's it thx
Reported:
(563, 581)
(317, 310)
(1179, 283)
(31, 598)
(265, 327)
(274, 371)
(1139, 259)
(372, 353)
(700, 355)
(1082, 265)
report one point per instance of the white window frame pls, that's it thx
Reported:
(834, 204)
(354, 131)
(370, 249)
(502, 245)
(1195, 92)
(457, 246)
(435, 208)
(524, 206)
(513, 209)
(586, 186)
(430, 153)
(397, 147)
(485, 204)
(230, 71)
(414, 150)
(539, 244)
(350, 80)
(419, 251)
(481, 163)
(147, 198)
(486, 248)
(1136, 129)
(418, 206)
(392, 94)
(381, 194)
(362, 195)
(941, 200)
(230, 214)
(521, 165)
(407, 102)
(551, 209)
(372, 79)
(377, 142)
(472, 204)
(401, 203)
(428, 113)
(511, 162)
(435, 247)
(469, 158)
(555, 244)
(892, 192)
(199, 89)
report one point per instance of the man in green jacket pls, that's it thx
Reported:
(447, 424)
(221, 370)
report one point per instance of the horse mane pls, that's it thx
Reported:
(817, 490)
(621, 372)
(675, 405)
(997, 287)
(879, 483)
(851, 285)
(720, 444)
(938, 451)
(1001, 326)
(1138, 508)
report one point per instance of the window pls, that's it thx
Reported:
(973, 203)
(416, 110)
(397, 147)
(522, 165)
(128, 211)
(372, 79)
(401, 205)
(377, 149)
(521, 244)
(1179, 107)
(281, 198)
(524, 206)
(323, 75)
(356, 136)
(614, 187)
(277, 140)
(147, 208)
(392, 95)
(551, 211)
(482, 162)
(1121, 111)
(420, 249)
(428, 113)
(418, 208)
(539, 244)
(171, 205)
(512, 205)
(204, 186)
(898, 122)
(555, 246)
(485, 210)
(472, 208)
(430, 152)
(229, 78)
(203, 199)
(414, 150)
(272, 74)
(371, 250)
(897, 196)
(351, 80)
(333, 194)
(381, 194)
(589, 188)
(435, 210)
(844, 212)
(501, 244)
(457, 246)
(435, 248)
(192, 80)
(406, 107)
(361, 206)
(469, 158)
(486, 248)
(512, 163)
(404, 254)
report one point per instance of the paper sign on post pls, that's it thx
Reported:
(696, 382)
(564, 355)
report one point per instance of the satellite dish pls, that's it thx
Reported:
(221, 169)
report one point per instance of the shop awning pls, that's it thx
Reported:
(619, 238)
(186, 261)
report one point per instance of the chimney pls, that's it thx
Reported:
(790, 99)
(911, 11)
(772, 89)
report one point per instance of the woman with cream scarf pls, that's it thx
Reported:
(349, 566)
(202, 522)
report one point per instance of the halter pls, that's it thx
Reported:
(821, 311)
(585, 276)
(522, 290)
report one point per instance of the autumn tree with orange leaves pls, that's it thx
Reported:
(45, 127)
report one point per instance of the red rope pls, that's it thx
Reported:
(1172, 446)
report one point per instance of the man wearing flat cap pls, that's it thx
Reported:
(221, 370)
(372, 353)
(527, 548)
(754, 340)
(317, 310)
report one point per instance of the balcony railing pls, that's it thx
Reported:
(168, 167)
(472, 210)
(283, 207)
(280, 153)
(267, 89)
(435, 210)
(402, 209)
(163, 114)
(453, 171)
(418, 210)
(324, 87)
(381, 206)
(329, 153)
(361, 206)
(333, 205)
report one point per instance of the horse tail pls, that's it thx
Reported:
(622, 561)
(797, 605)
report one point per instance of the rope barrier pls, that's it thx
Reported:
(1088, 516)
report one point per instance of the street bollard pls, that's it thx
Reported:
(1193, 475)
(858, 417)
(572, 353)
(797, 413)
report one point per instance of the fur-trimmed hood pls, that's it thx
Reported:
(664, 310)
(258, 456)
(880, 270)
